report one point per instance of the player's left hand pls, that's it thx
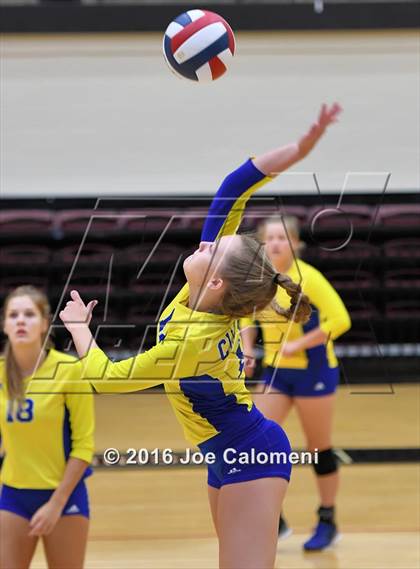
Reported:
(45, 519)
(76, 311)
(289, 349)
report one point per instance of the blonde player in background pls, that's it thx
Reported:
(300, 366)
(46, 425)
(198, 359)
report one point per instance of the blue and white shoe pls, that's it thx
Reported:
(323, 536)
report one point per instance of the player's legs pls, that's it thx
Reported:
(213, 494)
(247, 519)
(316, 416)
(16, 547)
(65, 546)
(276, 399)
(274, 405)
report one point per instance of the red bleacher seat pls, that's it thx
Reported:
(353, 336)
(154, 220)
(153, 288)
(90, 253)
(354, 249)
(90, 280)
(164, 253)
(23, 222)
(136, 315)
(405, 247)
(362, 309)
(407, 278)
(7, 284)
(77, 221)
(402, 215)
(403, 308)
(330, 217)
(24, 255)
(255, 215)
(348, 279)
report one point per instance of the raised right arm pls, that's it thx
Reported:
(153, 367)
(280, 159)
(228, 205)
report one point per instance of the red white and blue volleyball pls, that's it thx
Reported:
(199, 45)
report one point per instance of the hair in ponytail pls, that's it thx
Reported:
(13, 376)
(252, 284)
(300, 308)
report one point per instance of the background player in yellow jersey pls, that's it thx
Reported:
(199, 360)
(300, 366)
(46, 425)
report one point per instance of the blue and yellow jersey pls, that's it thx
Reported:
(198, 356)
(54, 422)
(328, 313)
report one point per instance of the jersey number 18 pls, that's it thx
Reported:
(23, 413)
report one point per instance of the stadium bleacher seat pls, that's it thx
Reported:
(405, 247)
(78, 221)
(24, 222)
(8, 283)
(154, 220)
(354, 249)
(90, 253)
(15, 255)
(331, 217)
(403, 308)
(349, 279)
(404, 215)
(164, 253)
(406, 278)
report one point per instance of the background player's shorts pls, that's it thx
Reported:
(268, 441)
(25, 502)
(302, 382)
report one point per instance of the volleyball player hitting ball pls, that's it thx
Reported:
(46, 425)
(199, 360)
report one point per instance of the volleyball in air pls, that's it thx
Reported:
(199, 45)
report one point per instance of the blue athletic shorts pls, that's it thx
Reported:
(302, 382)
(25, 502)
(263, 453)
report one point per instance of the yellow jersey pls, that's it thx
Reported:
(54, 422)
(198, 356)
